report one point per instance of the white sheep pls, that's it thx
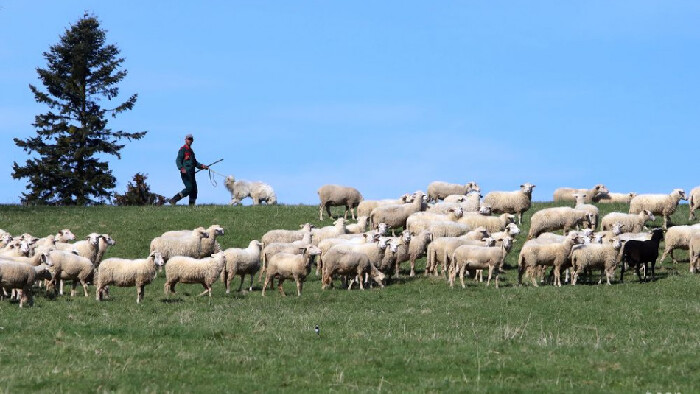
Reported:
(258, 191)
(471, 202)
(693, 202)
(208, 244)
(605, 256)
(359, 227)
(88, 248)
(241, 262)
(630, 223)
(417, 248)
(188, 246)
(70, 266)
(286, 236)
(205, 271)
(396, 215)
(14, 275)
(288, 266)
(490, 223)
(319, 234)
(557, 218)
(694, 253)
(448, 229)
(420, 221)
(336, 195)
(659, 204)
(16, 248)
(556, 255)
(678, 237)
(348, 264)
(366, 206)
(471, 257)
(623, 198)
(438, 190)
(515, 202)
(127, 273)
(441, 248)
(592, 194)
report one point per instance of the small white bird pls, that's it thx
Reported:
(318, 332)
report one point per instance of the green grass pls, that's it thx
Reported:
(414, 335)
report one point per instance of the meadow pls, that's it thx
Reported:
(416, 334)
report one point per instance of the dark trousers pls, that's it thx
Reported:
(190, 182)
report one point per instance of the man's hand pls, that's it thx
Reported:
(205, 167)
(182, 170)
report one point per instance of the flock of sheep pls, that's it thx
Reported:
(453, 226)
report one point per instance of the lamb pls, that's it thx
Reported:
(286, 236)
(604, 256)
(590, 208)
(623, 198)
(204, 271)
(694, 253)
(288, 266)
(678, 237)
(637, 253)
(241, 262)
(491, 223)
(258, 191)
(535, 253)
(660, 204)
(439, 190)
(70, 266)
(336, 195)
(128, 273)
(631, 223)
(515, 202)
(365, 207)
(359, 227)
(558, 218)
(469, 257)
(14, 275)
(338, 228)
(188, 246)
(694, 202)
(396, 215)
(349, 263)
(592, 194)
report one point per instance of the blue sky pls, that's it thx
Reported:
(386, 96)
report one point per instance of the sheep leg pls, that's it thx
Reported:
(533, 272)
(207, 289)
(347, 207)
(461, 275)
(279, 286)
(85, 287)
(320, 211)
(557, 275)
(488, 282)
(267, 280)
(300, 284)
(139, 293)
(328, 210)
(60, 287)
(74, 285)
(240, 287)
(413, 267)
(251, 282)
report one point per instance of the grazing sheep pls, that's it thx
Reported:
(288, 266)
(241, 261)
(536, 253)
(286, 236)
(694, 202)
(417, 248)
(374, 250)
(70, 266)
(349, 264)
(181, 269)
(694, 252)
(659, 204)
(328, 243)
(188, 246)
(592, 194)
(624, 198)
(590, 208)
(258, 191)
(637, 253)
(589, 256)
(366, 206)
(448, 229)
(359, 227)
(471, 257)
(420, 221)
(14, 275)
(490, 223)
(440, 250)
(395, 216)
(558, 218)
(678, 237)
(515, 202)
(631, 223)
(469, 203)
(319, 234)
(336, 195)
(439, 190)
(128, 273)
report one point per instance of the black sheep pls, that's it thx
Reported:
(635, 253)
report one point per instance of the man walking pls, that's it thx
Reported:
(187, 164)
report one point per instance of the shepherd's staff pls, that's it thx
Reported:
(212, 172)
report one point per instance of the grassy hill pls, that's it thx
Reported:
(414, 335)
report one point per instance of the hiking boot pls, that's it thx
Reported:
(175, 199)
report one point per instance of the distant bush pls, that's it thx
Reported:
(139, 193)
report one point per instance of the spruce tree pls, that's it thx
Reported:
(66, 165)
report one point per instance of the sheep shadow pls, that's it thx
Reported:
(172, 300)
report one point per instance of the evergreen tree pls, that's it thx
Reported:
(65, 168)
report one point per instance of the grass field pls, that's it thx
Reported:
(414, 335)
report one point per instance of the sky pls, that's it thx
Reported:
(384, 96)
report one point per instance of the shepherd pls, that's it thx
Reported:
(187, 163)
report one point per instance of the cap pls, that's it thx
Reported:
(189, 137)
